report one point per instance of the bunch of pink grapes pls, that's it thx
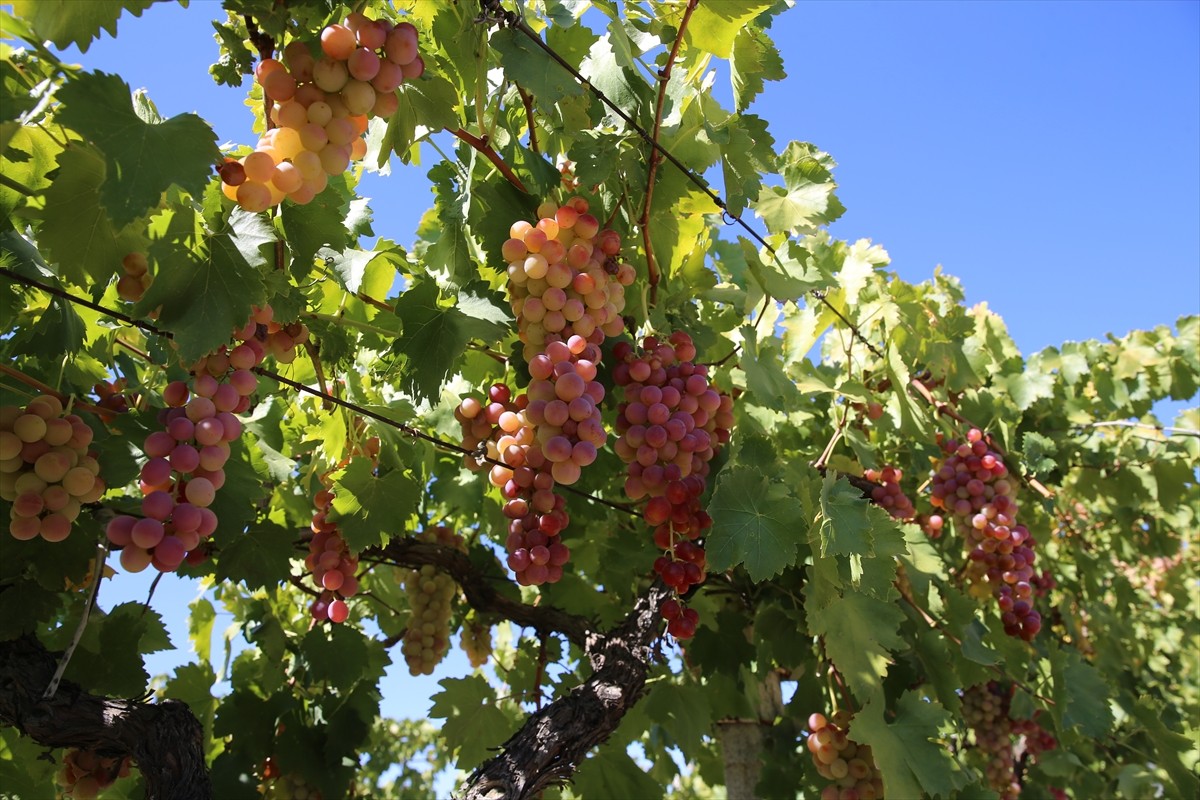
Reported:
(972, 485)
(321, 105)
(671, 423)
(186, 459)
(332, 565)
(849, 765)
(888, 495)
(1000, 739)
(46, 471)
(567, 289)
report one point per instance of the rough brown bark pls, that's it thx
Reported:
(552, 743)
(164, 739)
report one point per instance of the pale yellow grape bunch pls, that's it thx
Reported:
(46, 471)
(321, 105)
(476, 641)
(430, 596)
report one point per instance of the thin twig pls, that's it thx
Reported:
(83, 301)
(482, 144)
(664, 76)
(97, 576)
(527, 101)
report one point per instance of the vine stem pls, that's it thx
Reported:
(97, 576)
(483, 145)
(16, 187)
(527, 101)
(44, 389)
(340, 320)
(664, 77)
(948, 410)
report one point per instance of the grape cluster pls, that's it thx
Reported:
(136, 280)
(837, 758)
(321, 106)
(430, 594)
(186, 459)
(110, 395)
(671, 423)
(84, 773)
(331, 563)
(972, 486)
(999, 739)
(46, 471)
(476, 641)
(888, 495)
(567, 290)
(286, 787)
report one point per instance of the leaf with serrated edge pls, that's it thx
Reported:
(755, 523)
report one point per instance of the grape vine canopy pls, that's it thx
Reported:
(716, 505)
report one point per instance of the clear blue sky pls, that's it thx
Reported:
(1046, 153)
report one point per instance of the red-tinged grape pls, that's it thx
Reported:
(134, 558)
(338, 611)
(169, 554)
(158, 505)
(401, 44)
(200, 492)
(24, 528)
(146, 533)
(338, 42)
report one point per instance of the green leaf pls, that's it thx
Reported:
(755, 522)
(371, 509)
(70, 22)
(1169, 745)
(754, 59)
(684, 712)
(845, 527)
(112, 659)
(474, 725)
(337, 654)
(860, 634)
(612, 773)
(1080, 693)
(912, 763)
(765, 378)
(435, 337)
(204, 296)
(715, 26)
(77, 233)
(143, 154)
(532, 68)
(748, 152)
(258, 557)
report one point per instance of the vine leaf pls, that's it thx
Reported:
(77, 233)
(371, 508)
(204, 296)
(860, 634)
(143, 153)
(912, 764)
(532, 68)
(754, 523)
(715, 26)
(434, 338)
(70, 22)
(753, 60)
(473, 724)
(845, 527)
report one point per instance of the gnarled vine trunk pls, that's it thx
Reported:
(165, 739)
